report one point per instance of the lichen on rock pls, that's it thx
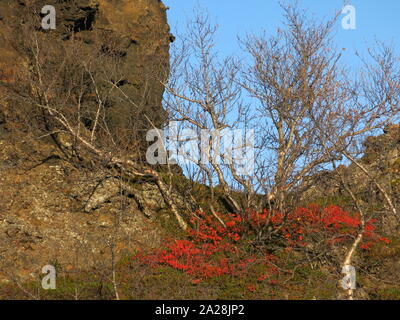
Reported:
(50, 210)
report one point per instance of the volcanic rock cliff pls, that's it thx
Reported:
(138, 26)
(50, 211)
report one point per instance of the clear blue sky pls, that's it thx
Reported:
(380, 19)
(375, 19)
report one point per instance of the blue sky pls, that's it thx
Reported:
(374, 19)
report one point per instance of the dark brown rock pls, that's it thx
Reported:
(51, 212)
(138, 27)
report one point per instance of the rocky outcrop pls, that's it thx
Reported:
(138, 27)
(384, 147)
(381, 158)
(52, 212)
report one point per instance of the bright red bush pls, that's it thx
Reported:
(303, 224)
(212, 250)
(332, 222)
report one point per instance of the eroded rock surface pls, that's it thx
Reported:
(52, 212)
(55, 213)
(138, 28)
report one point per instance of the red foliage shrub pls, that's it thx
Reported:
(332, 223)
(212, 250)
(307, 223)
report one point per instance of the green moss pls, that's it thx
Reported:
(388, 293)
(67, 288)
(165, 283)
(169, 225)
(342, 201)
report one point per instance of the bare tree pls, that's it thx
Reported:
(204, 96)
(293, 76)
(312, 111)
(374, 105)
(307, 109)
